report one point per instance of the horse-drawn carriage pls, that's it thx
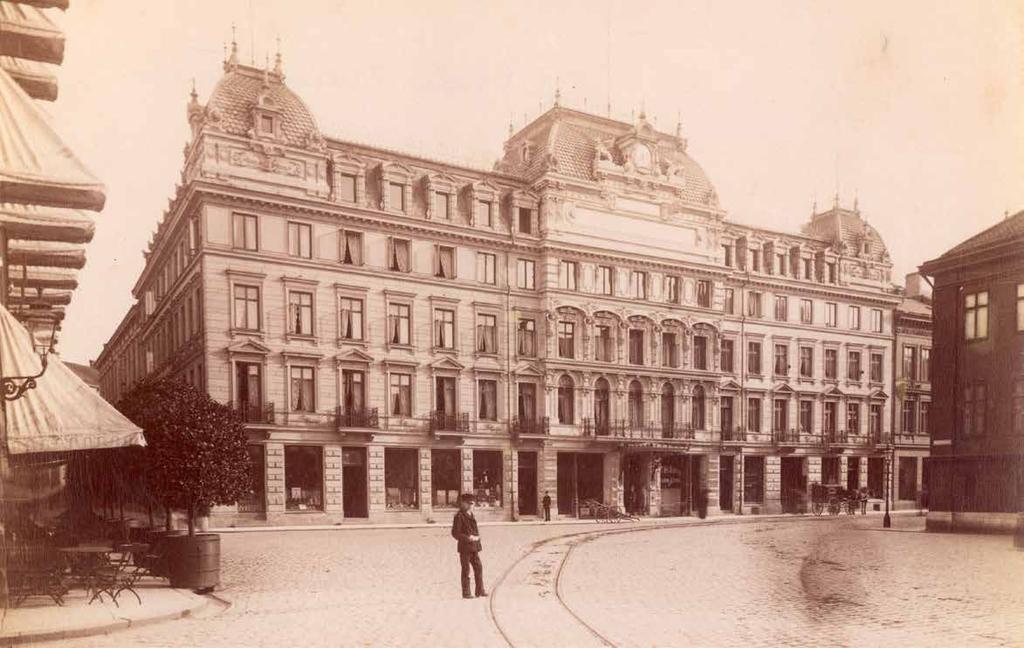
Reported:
(835, 499)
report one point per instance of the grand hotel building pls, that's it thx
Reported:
(582, 320)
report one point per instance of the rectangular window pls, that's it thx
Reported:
(669, 350)
(853, 418)
(300, 313)
(303, 478)
(876, 320)
(854, 317)
(876, 367)
(352, 248)
(527, 404)
(806, 311)
(247, 307)
(727, 356)
(485, 267)
(401, 478)
(401, 394)
(398, 255)
(302, 389)
(443, 205)
(808, 269)
(396, 196)
(853, 370)
(399, 324)
(487, 478)
(806, 416)
(485, 213)
(923, 413)
(780, 264)
(755, 260)
(753, 304)
(831, 272)
(909, 362)
(781, 365)
(346, 187)
(875, 422)
(486, 333)
(605, 285)
(567, 275)
(753, 479)
(780, 415)
(351, 318)
(729, 302)
(603, 347)
(566, 340)
(353, 385)
(700, 352)
(831, 311)
(445, 267)
(488, 410)
(704, 293)
(781, 308)
(300, 240)
(924, 368)
(976, 316)
(526, 338)
(754, 357)
(831, 363)
(806, 362)
(638, 284)
(445, 477)
(754, 414)
(727, 255)
(267, 124)
(908, 416)
(829, 422)
(444, 328)
(672, 289)
(524, 274)
(245, 234)
(525, 220)
(636, 347)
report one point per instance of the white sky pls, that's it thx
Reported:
(915, 106)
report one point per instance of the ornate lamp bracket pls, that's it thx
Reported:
(15, 387)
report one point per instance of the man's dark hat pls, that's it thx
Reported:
(466, 497)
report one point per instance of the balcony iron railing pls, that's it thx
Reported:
(448, 422)
(523, 425)
(254, 413)
(362, 418)
(787, 437)
(734, 434)
(598, 427)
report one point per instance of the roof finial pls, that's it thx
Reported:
(814, 207)
(278, 68)
(643, 109)
(266, 70)
(835, 201)
(193, 94)
(232, 59)
(856, 208)
(558, 92)
(679, 124)
(510, 128)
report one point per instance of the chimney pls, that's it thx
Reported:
(917, 286)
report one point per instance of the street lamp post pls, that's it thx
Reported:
(890, 451)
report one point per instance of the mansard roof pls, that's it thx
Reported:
(848, 232)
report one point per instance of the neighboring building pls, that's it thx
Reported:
(977, 465)
(582, 320)
(912, 392)
(87, 373)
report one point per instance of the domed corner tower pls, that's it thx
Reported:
(254, 131)
(864, 257)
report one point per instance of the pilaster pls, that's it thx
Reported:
(375, 474)
(426, 482)
(332, 479)
(773, 484)
(275, 477)
(467, 470)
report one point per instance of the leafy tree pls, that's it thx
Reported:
(195, 454)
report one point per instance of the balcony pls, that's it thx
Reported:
(593, 427)
(734, 434)
(671, 430)
(365, 418)
(786, 437)
(530, 426)
(254, 413)
(448, 422)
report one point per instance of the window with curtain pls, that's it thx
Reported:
(830, 315)
(753, 304)
(444, 394)
(302, 389)
(876, 320)
(602, 404)
(567, 275)
(445, 262)
(636, 346)
(729, 301)
(603, 348)
(700, 352)
(398, 324)
(806, 416)
(346, 187)
(754, 357)
(853, 418)
(806, 311)
(638, 284)
(401, 394)
(754, 414)
(875, 421)
(245, 234)
(444, 328)
(728, 354)
(398, 259)
(351, 318)
(488, 406)
(526, 337)
(525, 274)
(485, 265)
(704, 293)
(300, 240)
(353, 391)
(396, 196)
(698, 415)
(781, 308)
(854, 318)
(829, 422)
(806, 362)
(566, 340)
(485, 213)
(672, 289)
(831, 363)
(669, 350)
(443, 205)
(604, 280)
(780, 415)
(924, 368)
(853, 370)
(352, 248)
(300, 313)
(876, 367)
(781, 364)
(566, 400)
(486, 333)
(636, 405)
(247, 307)
(527, 401)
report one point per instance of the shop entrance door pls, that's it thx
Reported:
(580, 477)
(725, 477)
(527, 483)
(794, 484)
(353, 483)
(852, 473)
(635, 485)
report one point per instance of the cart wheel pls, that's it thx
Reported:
(818, 508)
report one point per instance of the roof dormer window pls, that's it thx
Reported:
(525, 152)
(266, 123)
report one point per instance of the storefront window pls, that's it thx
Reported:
(401, 478)
(444, 476)
(753, 480)
(254, 501)
(304, 478)
(487, 478)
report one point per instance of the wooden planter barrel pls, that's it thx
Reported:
(193, 562)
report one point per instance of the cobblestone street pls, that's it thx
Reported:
(737, 582)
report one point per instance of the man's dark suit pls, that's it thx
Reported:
(464, 526)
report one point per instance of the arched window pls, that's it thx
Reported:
(636, 405)
(668, 407)
(697, 411)
(602, 405)
(566, 400)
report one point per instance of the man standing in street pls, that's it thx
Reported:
(547, 506)
(466, 532)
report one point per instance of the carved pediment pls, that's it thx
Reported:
(252, 347)
(783, 388)
(528, 369)
(730, 385)
(354, 356)
(878, 394)
(447, 363)
(833, 390)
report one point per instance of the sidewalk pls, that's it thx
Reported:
(39, 619)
